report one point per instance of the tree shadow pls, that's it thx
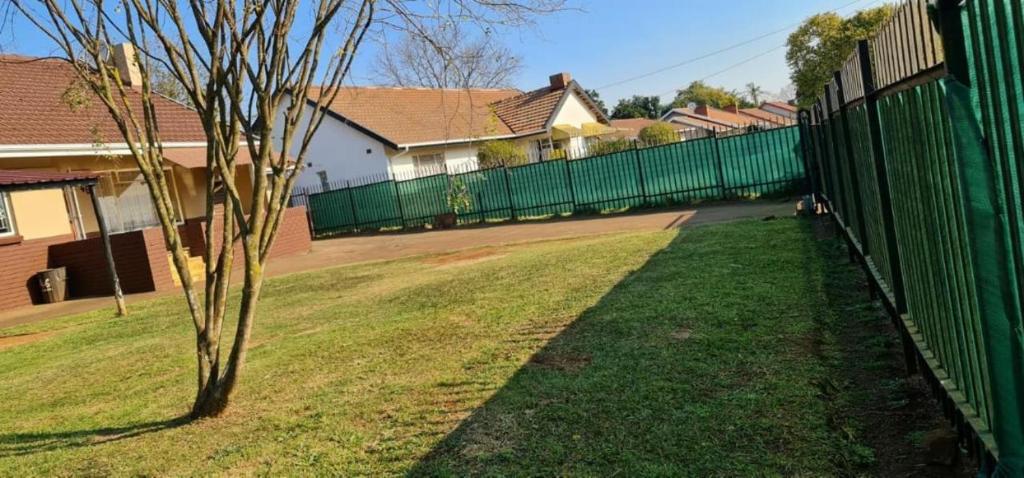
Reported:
(695, 364)
(19, 444)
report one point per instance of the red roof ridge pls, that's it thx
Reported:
(415, 88)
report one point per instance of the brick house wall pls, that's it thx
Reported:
(140, 256)
(293, 236)
(21, 261)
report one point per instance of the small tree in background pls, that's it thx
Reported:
(821, 44)
(495, 153)
(447, 55)
(754, 93)
(594, 95)
(610, 146)
(703, 94)
(649, 107)
(658, 134)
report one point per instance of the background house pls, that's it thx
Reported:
(373, 133)
(703, 119)
(49, 123)
(629, 128)
(780, 108)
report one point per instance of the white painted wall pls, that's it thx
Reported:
(455, 157)
(338, 149)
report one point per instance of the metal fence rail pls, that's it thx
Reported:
(917, 150)
(759, 163)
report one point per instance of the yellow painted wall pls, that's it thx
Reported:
(40, 214)
(189, 183)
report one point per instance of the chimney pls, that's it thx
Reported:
(732, 109)
(560, 80)
(127, 65)
(701, 110)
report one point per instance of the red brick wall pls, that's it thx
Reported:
(293, 237)
(192, 236)
(21, 262)
(140, 257)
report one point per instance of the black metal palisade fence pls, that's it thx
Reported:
(757, 163)
(917, 150)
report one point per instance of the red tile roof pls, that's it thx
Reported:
(766, 116)
(529, 112)
(693, 118)
(782, 105)
(32, 110)
(35, 177)
(721, 115)
(403, 116)
(420, 115)
(634, 125)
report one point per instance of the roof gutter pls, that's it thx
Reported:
(461, 140)
(82, 149)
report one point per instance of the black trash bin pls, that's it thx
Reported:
(53, 283)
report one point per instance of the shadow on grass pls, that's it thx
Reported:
(18, 444)
(702, 362)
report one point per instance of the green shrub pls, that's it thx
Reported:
(610, 146)
(500, 153)
(658, 134)
(458, 196)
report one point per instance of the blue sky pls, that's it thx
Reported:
(612, 40)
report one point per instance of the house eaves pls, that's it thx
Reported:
(44, 150)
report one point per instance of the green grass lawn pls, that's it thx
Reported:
(686, 354)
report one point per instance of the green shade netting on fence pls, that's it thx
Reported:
(989, 116)
(753, 164)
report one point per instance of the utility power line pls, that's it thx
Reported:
(759, 55)
(713, 53)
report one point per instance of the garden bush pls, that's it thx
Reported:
(500, 153)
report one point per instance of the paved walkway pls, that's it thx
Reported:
(377, 247)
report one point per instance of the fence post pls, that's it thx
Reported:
(508, 191)
(858, 202)
(882, 178)
(572, 189)
(836, 197)
(640, 173)
(718, 163)
(398, 198)
(352, 204)
(807, 154)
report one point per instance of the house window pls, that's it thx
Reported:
(126, 204)
(427, 164)
(6, 217)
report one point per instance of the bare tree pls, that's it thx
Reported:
(755, 93)
(447, 56)
(241, 65)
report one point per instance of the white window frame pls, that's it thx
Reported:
(5, 204)
(436, 166)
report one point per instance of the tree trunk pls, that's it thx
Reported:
(208, 377)
(216, 390)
